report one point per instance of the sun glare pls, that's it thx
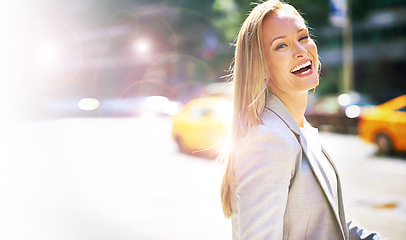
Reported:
(142, 46)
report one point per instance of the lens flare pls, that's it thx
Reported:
(142, 46)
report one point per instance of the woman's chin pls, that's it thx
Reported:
(312, 82)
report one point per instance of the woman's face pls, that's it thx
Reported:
(290, 53)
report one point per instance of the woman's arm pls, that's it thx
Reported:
(264, 168)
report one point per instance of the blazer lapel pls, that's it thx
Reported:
(340, 197)
(318, 172)
(324, 182)
(275, 105)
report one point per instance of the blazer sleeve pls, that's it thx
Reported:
(358, 233)
(264, 168)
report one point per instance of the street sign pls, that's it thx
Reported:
(339, 13)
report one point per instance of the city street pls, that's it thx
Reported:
(124, 179)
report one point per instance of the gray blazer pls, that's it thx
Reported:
(281, 191)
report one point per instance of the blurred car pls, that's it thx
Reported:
(385, 125)
(338, 112)
(201, 126)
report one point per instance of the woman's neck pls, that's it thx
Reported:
(296, 104)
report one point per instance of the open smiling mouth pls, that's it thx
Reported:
(303, 69)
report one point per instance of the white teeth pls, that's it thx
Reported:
(300, 66)
(305, 72)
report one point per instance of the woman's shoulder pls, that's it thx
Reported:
(271, 136)
(268, 145)
(272, 127)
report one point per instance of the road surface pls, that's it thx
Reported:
(123, 178)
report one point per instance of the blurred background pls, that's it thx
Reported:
(99, 139)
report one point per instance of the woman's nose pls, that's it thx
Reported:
(300, 51)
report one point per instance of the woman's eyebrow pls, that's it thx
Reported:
(280, 37)
(284, 36)
(301, 30)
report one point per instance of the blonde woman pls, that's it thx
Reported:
(279, 182)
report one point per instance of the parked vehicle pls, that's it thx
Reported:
(385, 125)
(202, 124)
(339, 112)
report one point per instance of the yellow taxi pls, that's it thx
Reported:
(202, 124)
(385, 125)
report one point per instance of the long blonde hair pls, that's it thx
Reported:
(248, 78)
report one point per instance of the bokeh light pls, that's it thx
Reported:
(344, 99)
(88, 104)
(353, 111)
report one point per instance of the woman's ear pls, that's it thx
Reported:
(318, 65)
(268, 82)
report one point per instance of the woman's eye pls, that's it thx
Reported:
(280, 46)
(304, 37)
